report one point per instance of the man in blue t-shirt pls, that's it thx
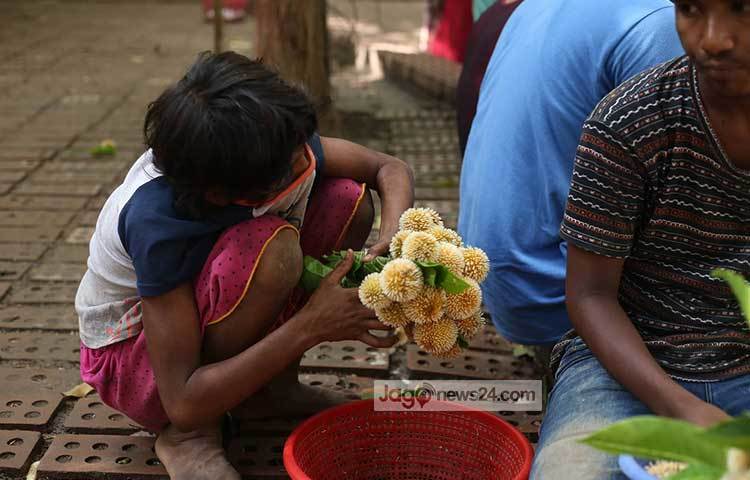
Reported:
(555, 60)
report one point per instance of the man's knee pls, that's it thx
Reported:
(567, 458)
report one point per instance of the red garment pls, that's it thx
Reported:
(232, 4)
(452, 31)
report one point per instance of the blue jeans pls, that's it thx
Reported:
(586, 398)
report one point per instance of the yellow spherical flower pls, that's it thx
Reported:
(437, 337)
(397, 242)
(443, 234)
(451, 257)
(455, 351)
(426, 307)
(470, 326)
(392, 315)
(419, 219)
(401, 280)
(477, 265)
(371, 294)
(464, 304)
(420, 247)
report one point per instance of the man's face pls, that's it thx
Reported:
(716, 35)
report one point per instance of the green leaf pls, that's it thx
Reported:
(698, 472)
(437, 275)
(462, 342)
(732, 433)
(659, 438)
(739, 286)
(313, 272)
(375, 265)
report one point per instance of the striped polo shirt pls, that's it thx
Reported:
(652, 185)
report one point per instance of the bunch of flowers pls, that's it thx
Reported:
(428, 286)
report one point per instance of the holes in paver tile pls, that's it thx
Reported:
(35, 289)
(128, 447)
(14, 403)
(7, 455)
(422, 362)
(468, 358)
(95, 404)
(324, 348)
(39, 378)
(347, 358)
(40, 403)
(30, 349)
(315, 383)
(64, 458)
(13, 340)
(323, 357)
(422, 353)
(249, 449)
(493, 361)
(92, 459)
(15, 442)
(100, 446)
(116, 417)
(370, 359)
(446, 364)
(76, 350)
(493, 371)
(153, 462)
(32, 414)
(88, 416)
(6, 414)
(371, 349)
(470, 368)
(72, 445)
(348, 348)
(123, 460)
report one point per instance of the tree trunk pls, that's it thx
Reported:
(292, 36)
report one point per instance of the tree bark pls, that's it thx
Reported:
(292, 36)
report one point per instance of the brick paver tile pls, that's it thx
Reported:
(12, 270)
(43, 293)
(470, 364)
(346, 356)
(57, 272)
(26, 409)
(36, 202)
(21, 251)
(34, 218)
(16, 448)
(66, 253)
(41, 234)
(43, 317)
(57, 189)
(39, 346)
(34, 379)
(78, 456)
(90, 415)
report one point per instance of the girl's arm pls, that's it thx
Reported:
(591, 290)
(389, 176)
(195, 394)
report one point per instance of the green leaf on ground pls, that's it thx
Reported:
(105, 147)
(660, 438)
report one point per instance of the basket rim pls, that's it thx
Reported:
(296, 472)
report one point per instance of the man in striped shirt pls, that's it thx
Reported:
(660, 196)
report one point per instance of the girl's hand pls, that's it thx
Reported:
(381, 247)
(334, 313)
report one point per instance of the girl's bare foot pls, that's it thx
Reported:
(196, 455)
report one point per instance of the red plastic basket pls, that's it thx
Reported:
(355, 442)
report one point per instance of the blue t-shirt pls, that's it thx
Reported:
(555, 60)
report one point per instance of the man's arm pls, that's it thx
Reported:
(592, 286)
(391, 177)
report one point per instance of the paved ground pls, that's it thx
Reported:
(73, 74)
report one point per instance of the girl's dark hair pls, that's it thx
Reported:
(230, 125)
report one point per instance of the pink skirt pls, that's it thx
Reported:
(122, 374)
